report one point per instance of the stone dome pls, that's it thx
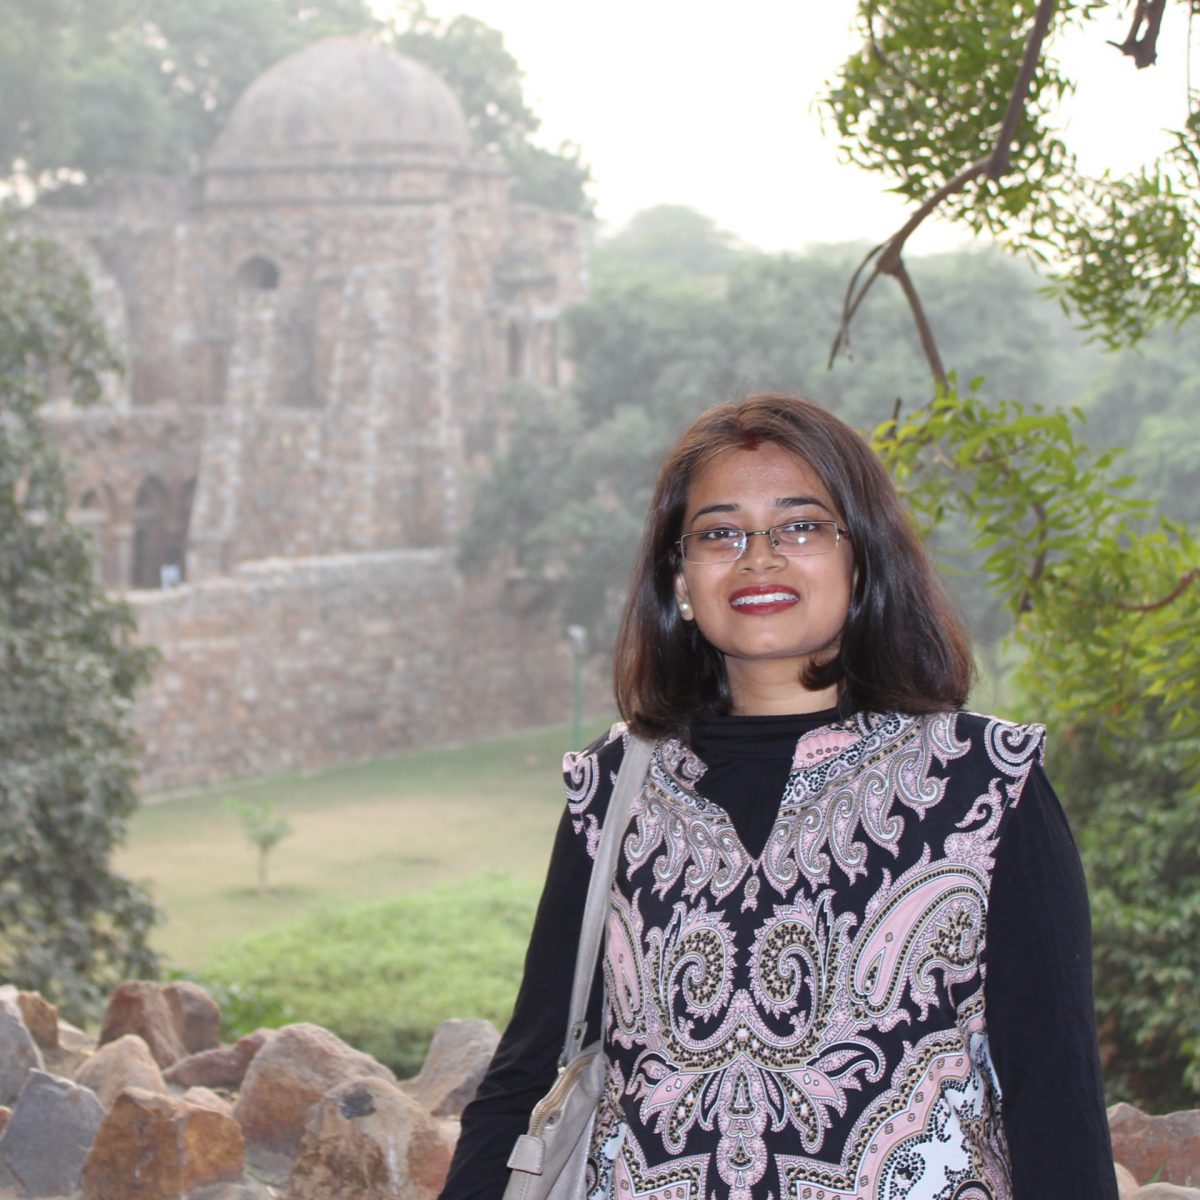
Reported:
(342, 100)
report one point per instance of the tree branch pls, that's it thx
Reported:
(1185, 581)
(1141, 42)
(1020, 92)
(887, 255)
(928, 343)
(850, 303)
(1025, 604)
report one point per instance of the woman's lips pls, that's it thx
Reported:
(763, 599)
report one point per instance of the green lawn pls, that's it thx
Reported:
(366, 832)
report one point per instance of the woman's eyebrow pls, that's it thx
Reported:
(782, 502)
(801, 502)
(714, 508)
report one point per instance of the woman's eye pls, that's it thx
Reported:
(801, 528)
(720, 535)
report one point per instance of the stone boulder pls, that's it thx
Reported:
(19, 1053)
(143, 1008)
(202, 1097)
(197, 1015)
(224, 1066)
(368, 1140)
(152, 1147)
(287, 1077)
(248, 1189)
(41, 1019)
(125, 1063)
(458, 1056)
(1165, 1191)
(1126, 1184)
(74, 1049)
(47, 1138)
(1166, 1148)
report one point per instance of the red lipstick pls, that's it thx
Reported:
(763, 599)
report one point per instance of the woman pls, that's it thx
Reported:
(848, 951)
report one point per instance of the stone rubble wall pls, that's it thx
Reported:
(302, 663)
(295, 1113)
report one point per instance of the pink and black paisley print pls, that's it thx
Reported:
(807, 1024)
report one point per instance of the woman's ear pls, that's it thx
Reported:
(682, 599)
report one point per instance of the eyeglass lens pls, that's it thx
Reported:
(794, 539)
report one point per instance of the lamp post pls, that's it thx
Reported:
(577, 640)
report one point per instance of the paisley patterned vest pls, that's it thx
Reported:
(808, 1024)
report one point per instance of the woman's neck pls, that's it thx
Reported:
(773, 694)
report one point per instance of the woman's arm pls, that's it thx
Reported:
(526, 1059)
(1040, 1015)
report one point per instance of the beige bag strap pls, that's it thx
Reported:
(630, 778)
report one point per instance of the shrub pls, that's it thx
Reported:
(1139, 838)
(384, 975)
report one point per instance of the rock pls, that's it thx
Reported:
(143, 1008)
(48, 1135)
(201, 1097)
(122, 1064)
(152, 1147)
(41, 1019)
(1165, 1191)
(248, 1189)
(458, 1056)
(288, 1075)
(74, 1049)
(225, 1066)
(369, 1140)
(1126, 1184)
(1167, 1147)
(197, 1016)
(19, 1053)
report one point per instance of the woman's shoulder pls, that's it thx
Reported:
(608, 749)
(999, 735)
(588, 774)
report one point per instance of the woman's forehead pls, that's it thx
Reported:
(769, 476)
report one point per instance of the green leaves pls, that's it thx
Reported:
(1105, 598)
(472, 58)
(264, 827)
(928, 92)
(1068, 548)
(924, 100)
(69, 927)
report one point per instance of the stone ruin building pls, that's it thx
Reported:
(320, 327)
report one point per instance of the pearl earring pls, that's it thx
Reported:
(684, 606)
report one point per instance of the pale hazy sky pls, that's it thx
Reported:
(712, 105)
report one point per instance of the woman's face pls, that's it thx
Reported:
(769, 614)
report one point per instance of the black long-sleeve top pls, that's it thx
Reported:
(1039, 1010)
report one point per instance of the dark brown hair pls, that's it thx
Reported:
(903, 648)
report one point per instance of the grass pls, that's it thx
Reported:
(384, 975)
(374, 831)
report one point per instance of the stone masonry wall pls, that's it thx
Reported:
(301, 663)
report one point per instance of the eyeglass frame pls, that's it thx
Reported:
(777, 546)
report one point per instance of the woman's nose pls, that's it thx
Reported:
(760, 551)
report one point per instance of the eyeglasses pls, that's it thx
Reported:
(796, 539)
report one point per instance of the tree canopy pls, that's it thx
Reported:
(69, 927)
(955, 106)
(145, 85)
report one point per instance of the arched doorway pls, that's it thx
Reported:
(151, 526)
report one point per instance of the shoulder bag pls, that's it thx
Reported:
(549, 1161)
